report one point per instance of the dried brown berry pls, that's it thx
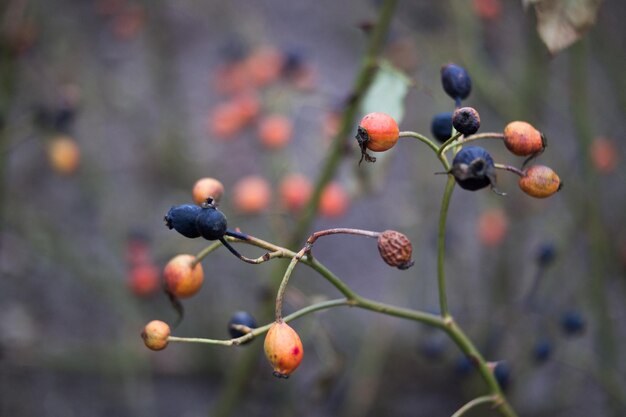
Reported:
(395, 249)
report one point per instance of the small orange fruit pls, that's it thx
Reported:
(144, 279)
(251, 194)
(492, 227)
(275, 131)
(603, 154)
(225, 120)
(181, 280)
(540, 181)
(155, 335)
(487, 9)
(205, 188)
(378, 131)
(295, 192)
(248, 105)
(522, 139)
(334, 201)
(64, 155)
(283, 348)
(264, 65)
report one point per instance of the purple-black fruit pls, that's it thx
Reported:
(473, 168)
(546, 254)
(456, 82)
(572, 323)
(183, 219)
(502, 372)
(241, 318)
(542, 350)
(466, 120)
(211, 223)
(441, 126)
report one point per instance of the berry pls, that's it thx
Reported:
(466, 120)
(210, 222)
(546, 254)
(441, 126)
(205, 188)
(242, 318)
(334, 201)
(181, 280)
(395, 249)
(487, 9)
(251, 194)
(502, 372)
(522, 139)
(572, 323)
(542, 350)
(155, 335)
(295, 192)
(283, 348)
(540, 181)
(225, 120)
(377, 132)
(456, 82)
(183, 219)
(603, 153)
(64, 155)
(463, 366)
(144, 280)
(492, 227)
(275, 131)
(473, 168)
(264, 65)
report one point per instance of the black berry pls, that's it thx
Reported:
(502, 372)
(473, 168)
(456, 82)
(466, 120)
(242, 318)
(546, 254)
(441, 126)
(542, 350)
(211, 223)
(183, 219)
(572, 323)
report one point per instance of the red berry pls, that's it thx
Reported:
(295, 192)
(275, 131)
(181, 280)
(334, 201)
(492, 227)
(144, 280)
(252, 194)
(604, 155)
(378, 132)
(522, 139)
(205, 188)
(283, 348)
(540, 181)
(155, 335)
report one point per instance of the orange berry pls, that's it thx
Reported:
(251, 194)
(283, 348)
(181, 280)
(264, 65)
(144, 279)
(275, 131)
(378, 131)
(487, 9)
(492, 227)
(603, 155)
(522, 139)
(248, 105)
(225, 120)
(205, 188)
(334, 201)
(232, 78)
(64, 155)
(295, 192)
(540, 181)
(155, 335)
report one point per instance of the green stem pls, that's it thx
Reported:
(510, 169)
(474, 403)
(447, 143)
(441, 246)
(421, 138)
(479, 136)
(283, 284)
(204, 253)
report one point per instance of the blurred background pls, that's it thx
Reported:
(111, 110)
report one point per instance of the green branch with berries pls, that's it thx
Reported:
(472, 168)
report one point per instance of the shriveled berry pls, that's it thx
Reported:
(155, 335)
(522, 139)
(283, 348)
(377, 132)
(540, 181)
(182, 278)
(466, 120)
(473, 168)
(183, 219)
(456, 82)
(241, 318)
(211, 223)
(572, 322)
(395, 249)
(207, 188)
(441, 126)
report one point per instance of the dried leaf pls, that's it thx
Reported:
(387, 92)
(560, 23)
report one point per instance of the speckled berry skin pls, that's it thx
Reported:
(466, 120)
(181, 280)
(183, 219)
(522, 139)
(441, 126)
(456, 82)
(395, 249)
(473, 168)
(283, 348)
(155, 335)
(241, 318)
(379, 132)
(540, 181)
(211, 223)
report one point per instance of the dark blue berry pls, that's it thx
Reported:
(572, 322)
(546, 254)
(542, 350)
(463, 366)
(502, 372)
(466, 120)
(473, 168)
(241, 318)
(183, 219)
(441, 126)
(456, 82)
(433, 347)
(211, 223)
